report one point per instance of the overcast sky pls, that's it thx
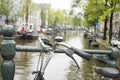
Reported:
(56, 4)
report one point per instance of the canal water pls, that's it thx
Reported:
(61, 67)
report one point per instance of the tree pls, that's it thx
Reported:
(113, 7)
(50, 16)
(27, 7)
(92, 11)
(43, 16)
(98, 10)
(67, 18)
(6, 8)
(59, 17)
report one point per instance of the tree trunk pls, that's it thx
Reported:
(27, 12)
(27, 19)
(6, 21)
(105, 29)
(111, 28)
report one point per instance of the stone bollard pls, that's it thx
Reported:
(8, 52)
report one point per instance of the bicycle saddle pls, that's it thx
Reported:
(59, 39)
(108, 72)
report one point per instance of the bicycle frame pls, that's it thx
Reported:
(69, 52)
(40, 73)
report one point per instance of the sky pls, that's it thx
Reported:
(56, 4)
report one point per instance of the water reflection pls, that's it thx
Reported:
(22, 65)
(87, 68)
(58, 68)
(24, 62)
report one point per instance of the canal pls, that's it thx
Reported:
(61, 67)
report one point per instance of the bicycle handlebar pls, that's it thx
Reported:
(76, 51)
(80, 53)
(43, 42)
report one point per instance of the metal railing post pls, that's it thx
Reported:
(8, 53)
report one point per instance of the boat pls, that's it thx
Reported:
(24, 33)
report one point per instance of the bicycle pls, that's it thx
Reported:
(107, 73)
(45, 44)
